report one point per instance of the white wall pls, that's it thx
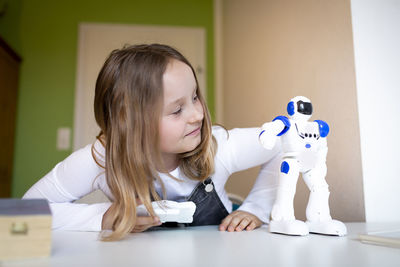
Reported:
(376, 33)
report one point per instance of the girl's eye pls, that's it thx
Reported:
(195, 98)
(177, 112)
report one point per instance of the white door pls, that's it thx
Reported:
(96, 41)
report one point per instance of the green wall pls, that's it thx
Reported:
(10, 22)
(48, 33)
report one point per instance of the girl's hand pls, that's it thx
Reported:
(240, 220)
(145, 222)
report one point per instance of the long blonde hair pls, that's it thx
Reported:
(127, 106)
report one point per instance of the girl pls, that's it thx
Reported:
(156, 140)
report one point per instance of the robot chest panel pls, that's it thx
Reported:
(304, 143)
(302, 137)
(307, 132)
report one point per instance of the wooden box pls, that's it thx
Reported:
(25, 228)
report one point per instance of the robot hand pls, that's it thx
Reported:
(269, 133)
(267, 140)
(170, 211)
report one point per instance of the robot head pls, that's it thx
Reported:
(300, 108)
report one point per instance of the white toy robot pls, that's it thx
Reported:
(304, 149)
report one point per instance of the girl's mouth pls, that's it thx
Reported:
(195, 132)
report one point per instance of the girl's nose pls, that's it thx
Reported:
(197, 113)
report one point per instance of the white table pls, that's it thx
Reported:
(206, 246)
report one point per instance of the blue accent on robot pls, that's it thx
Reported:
(261, 133)
(308, 145)
(323, 128)
(290, 108)
(285, 121)
(285, 167)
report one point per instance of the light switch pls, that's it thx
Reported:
(63, 138)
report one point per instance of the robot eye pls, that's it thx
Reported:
(315, 135)
(306, 135)
(304, 108)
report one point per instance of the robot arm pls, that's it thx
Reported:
(323, 146)
(270, 131)
(323, 128)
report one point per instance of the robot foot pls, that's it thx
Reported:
(330, 227)
(288, 227)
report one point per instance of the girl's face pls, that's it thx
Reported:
(182, 117)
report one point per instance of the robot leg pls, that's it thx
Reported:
(282, 215)
(318, 215)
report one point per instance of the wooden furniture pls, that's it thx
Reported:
(9, 70)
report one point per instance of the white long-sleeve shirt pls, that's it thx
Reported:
(79, 174)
